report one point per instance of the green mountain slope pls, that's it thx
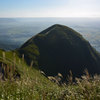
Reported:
(29, 86)
(61, 49)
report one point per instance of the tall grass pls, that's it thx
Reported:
(34, 86)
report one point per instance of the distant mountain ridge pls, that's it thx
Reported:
(59, 49)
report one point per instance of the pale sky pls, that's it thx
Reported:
(49, 8)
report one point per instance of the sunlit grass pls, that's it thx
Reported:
(32, 85)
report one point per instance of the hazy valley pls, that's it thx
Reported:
(15, 31)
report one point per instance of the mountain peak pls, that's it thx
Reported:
(53, 27)
(58, 25)
(59, 49)
(61, 30)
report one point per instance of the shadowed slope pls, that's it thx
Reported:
(60, 49)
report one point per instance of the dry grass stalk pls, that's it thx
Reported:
(60, 75)
(31, 63)
(19, 61)
(87, 74)
(3, 54)
(70, 77)
(14, 54)
(14, 62)
(23, 57)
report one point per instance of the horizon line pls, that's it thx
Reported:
(49, 17)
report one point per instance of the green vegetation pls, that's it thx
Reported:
(31, 54)
(32, 85)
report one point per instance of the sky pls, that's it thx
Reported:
(49, 8)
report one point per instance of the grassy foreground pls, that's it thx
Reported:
(32, 85)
